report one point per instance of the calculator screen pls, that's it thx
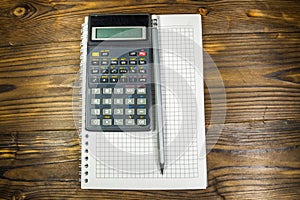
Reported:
(119, 33)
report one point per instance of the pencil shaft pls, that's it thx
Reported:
(158, 99)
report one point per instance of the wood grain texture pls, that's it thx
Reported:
(255, 46)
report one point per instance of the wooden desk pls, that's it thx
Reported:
(256, 46)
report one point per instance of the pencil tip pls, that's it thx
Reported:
(162, 170)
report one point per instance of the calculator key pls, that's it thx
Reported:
(113, 71)
(95, 54)
(95, 122)
(132, 71)
(123, 62)
(104, 80)
(129, 111)
(118, 122)
(95, 111)
(95, 80)
(132, 79)
(123, 71)
(129, 122)
(104, 71)
(129, 90)
(95, 62)
(141, 101)
(107, 90)
(133, 53)
(141, 112)
(142, 62)
(95, 70)
(142, 71)
(95, 101)
(106, 101)
(123, 80)
(129, 101)
(118, 90)
(104, 53)
(104, 62)
(142, 79)
(118, 111)
(113, 80)
(141, 90)
(118, 101)
(95, 90)
(142, 53)
(106, 111)
(106, 122)
(132, 62)
(113, 62)
(141, 122)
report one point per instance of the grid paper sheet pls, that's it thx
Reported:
(129, 160)
(134, 155)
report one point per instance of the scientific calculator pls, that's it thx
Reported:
(119, 73)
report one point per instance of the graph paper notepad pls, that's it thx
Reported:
(129, 160)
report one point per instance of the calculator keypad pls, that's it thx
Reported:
(119, 90)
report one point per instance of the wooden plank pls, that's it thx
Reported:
(60, 21)
(260, 73)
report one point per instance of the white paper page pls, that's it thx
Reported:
(129, 160)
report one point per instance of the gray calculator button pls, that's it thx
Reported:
(107, 90)
(95, 122)
(104, 53)
(129, 101)
(95, 111)
(95, 62)
(104, 62)
(95, 101)
(141, 101)
(118, 122)
(141, 122)
(106, 122)
(95, 70)
(129, 122)
(130, 90)
(143, 79)
(106, 101)
(118, 91)
(141, 112)
(95, 80)
(118, 101)
(129, 111)
(118, 111)
(141, 91)
(95, 90)
(106, 111)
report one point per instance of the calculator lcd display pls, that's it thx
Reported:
(119, 33)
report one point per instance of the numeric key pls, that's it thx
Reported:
(106, 122)
(129, 122)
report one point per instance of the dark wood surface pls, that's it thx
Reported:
(255, 45)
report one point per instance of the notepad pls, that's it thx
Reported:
(129, 160)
